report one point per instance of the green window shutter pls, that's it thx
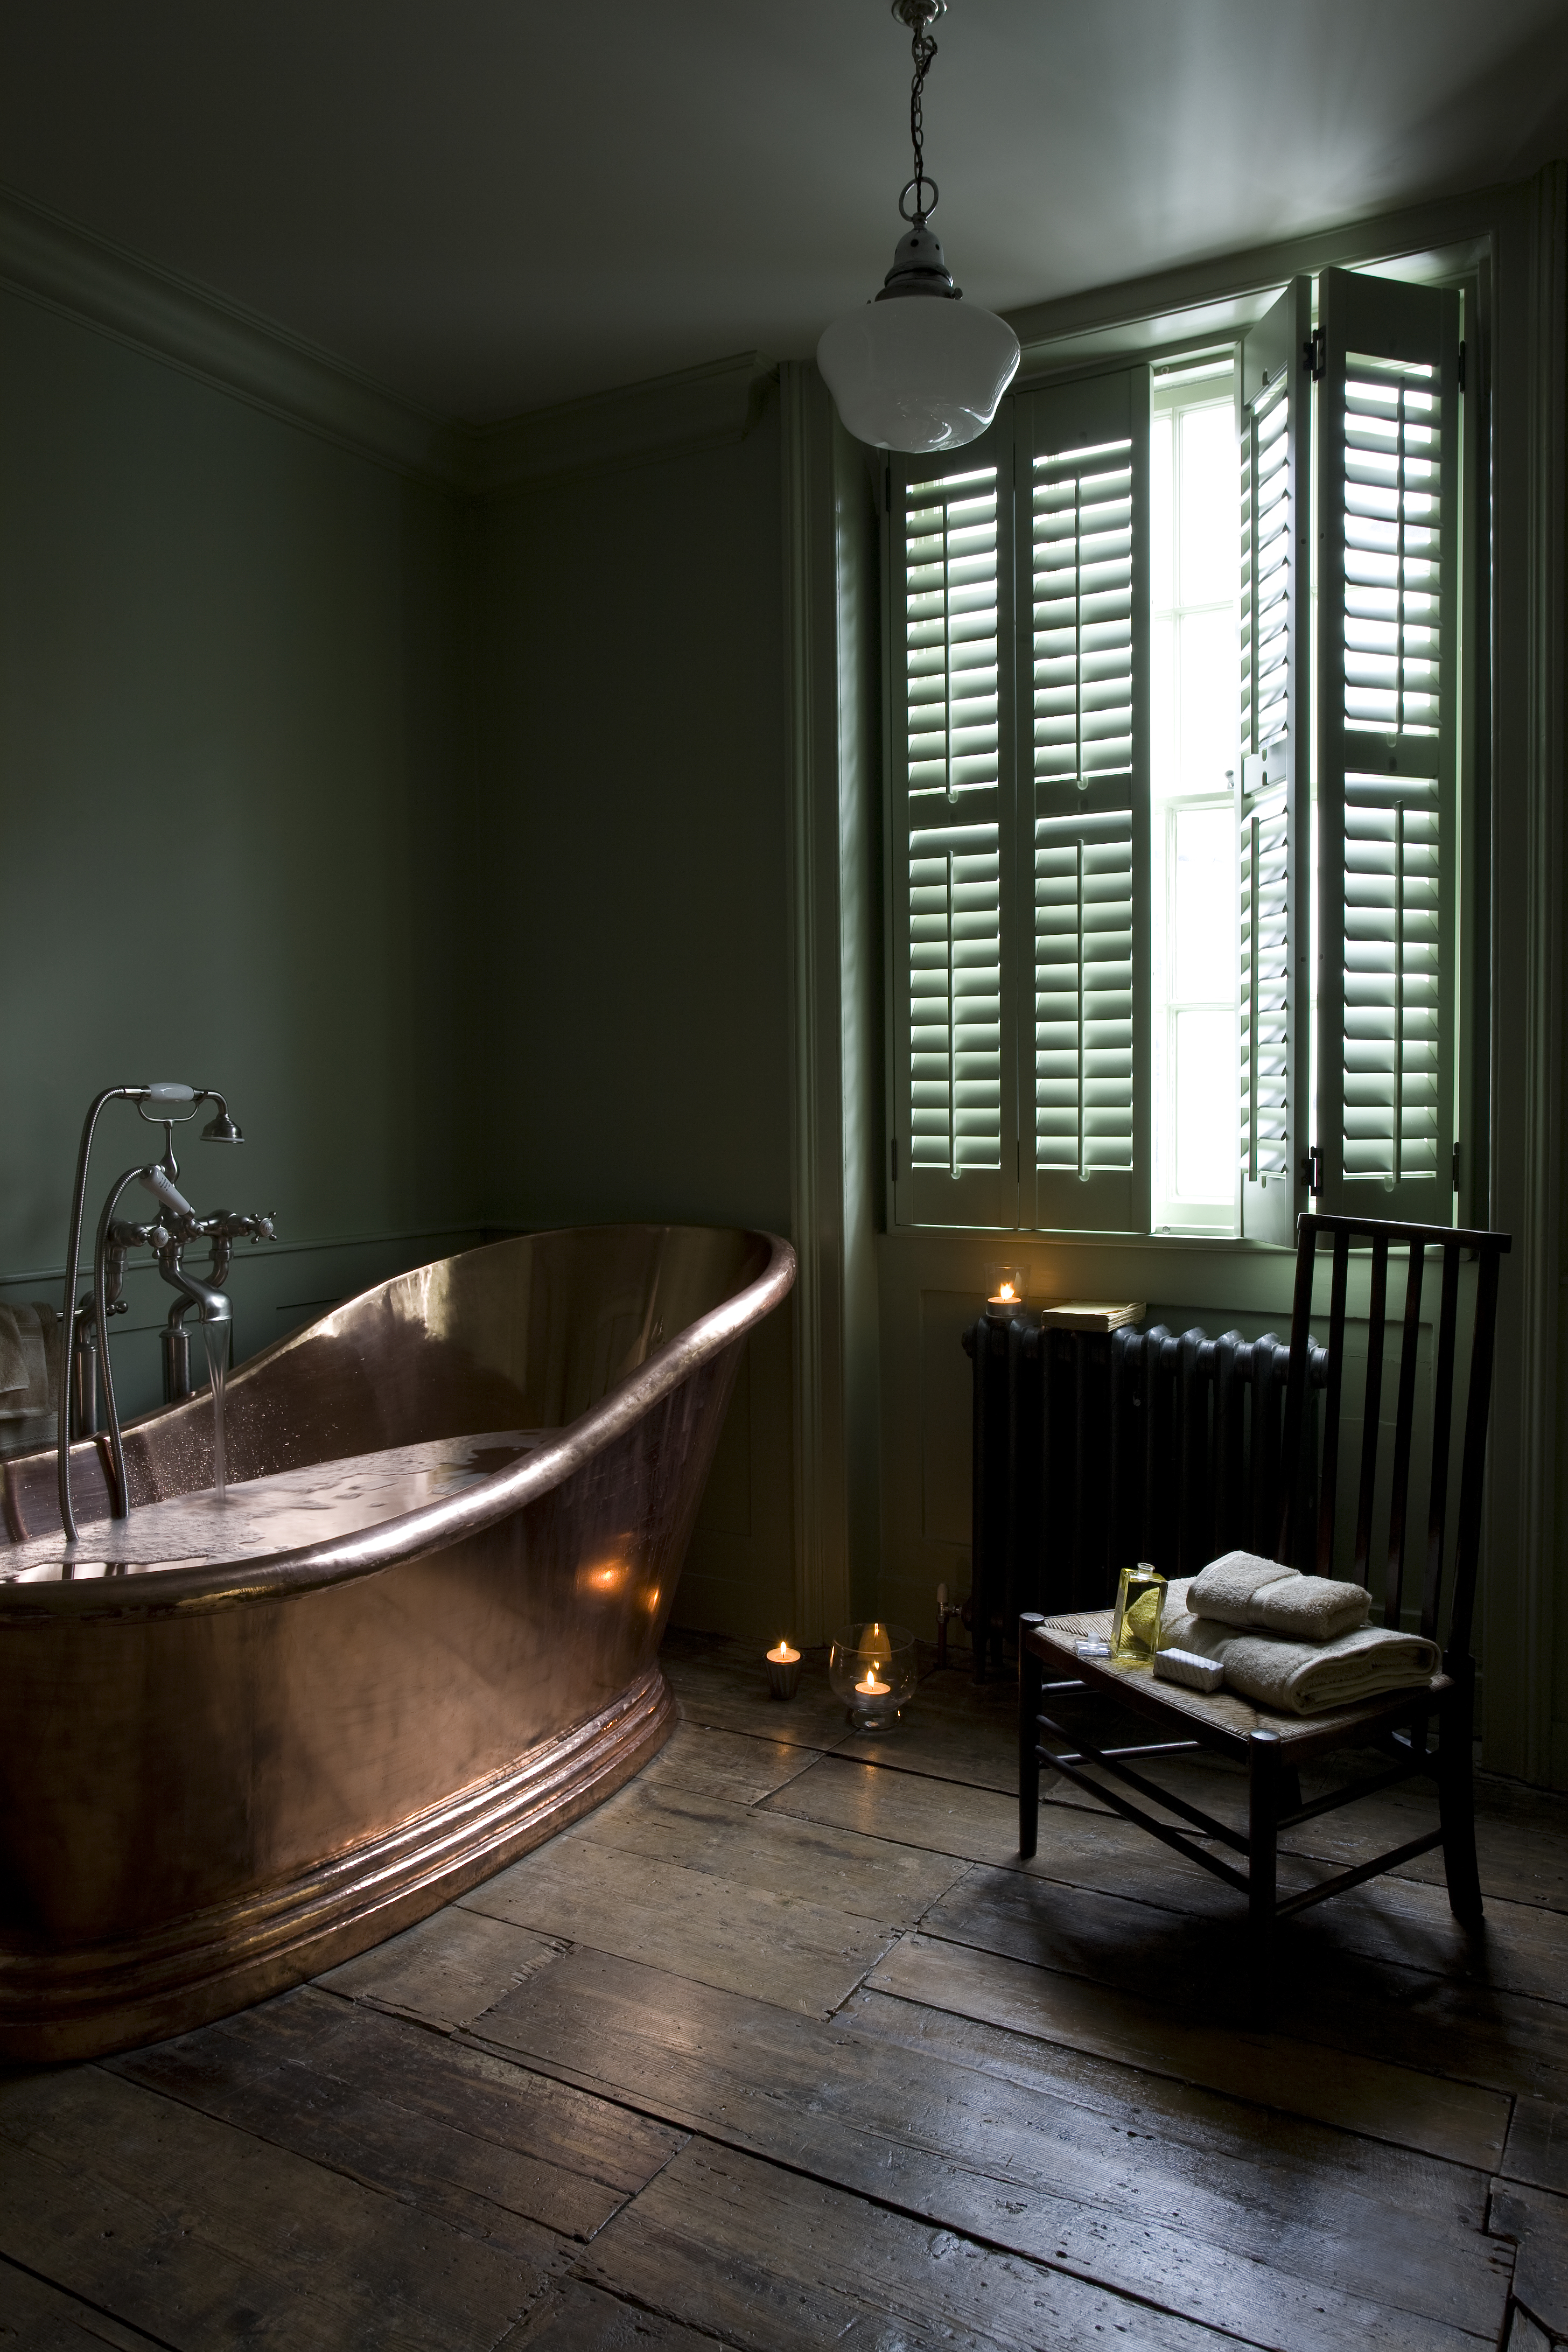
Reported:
(1083, 800)
(955, 1087)
(1388, 491)
(1273, 780)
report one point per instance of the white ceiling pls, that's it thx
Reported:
(491, 205)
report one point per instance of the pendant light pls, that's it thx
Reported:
(918, 368)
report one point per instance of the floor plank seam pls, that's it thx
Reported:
(703, 2129)
(631, 2302)
(1437, 1977)
(1174, 2073)
(326, 2163)
(87, 2303)
(985, 2244)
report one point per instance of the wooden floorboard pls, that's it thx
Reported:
(43, 2318)
(783, 2046)
(1310, 2246)
(788, 2264)
(1537, 2223)
(202, 2234)
(1329, 1988)
(1456, 2121)
(491, 2148)
(446, 1969)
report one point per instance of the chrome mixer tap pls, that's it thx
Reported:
(168, 1236)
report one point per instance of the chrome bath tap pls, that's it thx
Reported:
(168, 1236)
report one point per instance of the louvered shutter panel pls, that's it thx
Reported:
(1388, 488)
(1083, 815)
(1273, 779)
(955, 1088)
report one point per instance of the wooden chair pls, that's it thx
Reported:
(1273, 1747)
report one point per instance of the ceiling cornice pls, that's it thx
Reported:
(50, 261)
(88, 279)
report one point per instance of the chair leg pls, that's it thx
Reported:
(1264, 1773)
(1030, 1677)
(1456, 1795)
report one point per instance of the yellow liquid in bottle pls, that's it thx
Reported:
(1135, 1630)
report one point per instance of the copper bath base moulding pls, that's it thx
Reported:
(56, 2008)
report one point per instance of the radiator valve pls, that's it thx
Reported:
(944, 1610)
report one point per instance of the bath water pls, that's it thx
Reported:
(217, 1338)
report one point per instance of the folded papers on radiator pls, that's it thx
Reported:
(1241, 1589)
(1302, 1678)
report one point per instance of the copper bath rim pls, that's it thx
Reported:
(218, 1780)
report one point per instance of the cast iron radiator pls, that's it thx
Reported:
(1093, 1449)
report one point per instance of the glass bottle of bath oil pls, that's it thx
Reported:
(1135, 1629)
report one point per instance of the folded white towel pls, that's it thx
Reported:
(1304, 1677)
(1241, 1589)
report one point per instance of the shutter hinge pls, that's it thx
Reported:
(893, 1155)
(1456, 1162)
(1314, 355)
(1312, 1171)
(1461, 388)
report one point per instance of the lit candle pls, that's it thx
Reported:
(1008, 1299)
(783, 1670)
(871, 1687)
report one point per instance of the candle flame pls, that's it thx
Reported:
(1008, 1291)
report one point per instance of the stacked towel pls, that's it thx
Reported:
(1243, 1589)
(1302, 1678)
(29, 1360)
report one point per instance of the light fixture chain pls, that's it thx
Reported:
(923, 48)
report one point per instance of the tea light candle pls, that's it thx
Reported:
(783, 1670)
(871, 1687)
(1006, 1300)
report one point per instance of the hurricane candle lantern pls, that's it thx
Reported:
(873, 1669)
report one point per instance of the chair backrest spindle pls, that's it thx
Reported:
(1328, 1486)
(1372, 1411)
(1404, 1423)
(1299, 1443)
(1442, 1418)
(1466, 1550)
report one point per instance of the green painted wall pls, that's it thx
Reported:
(634, 1017)
(448, 839)
(235, 822)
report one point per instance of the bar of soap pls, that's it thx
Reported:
(1186, 1666)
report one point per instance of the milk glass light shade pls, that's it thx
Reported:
(924, 373)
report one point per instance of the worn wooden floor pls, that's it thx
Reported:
(781, 2049)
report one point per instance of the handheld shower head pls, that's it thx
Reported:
(220, 1128)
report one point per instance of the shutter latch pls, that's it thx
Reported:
(1314, 355)
(1461, 367)
(1312, 1171)
(1456, 1167)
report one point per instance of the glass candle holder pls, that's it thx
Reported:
(1135, 1628)
(873, 1669)
(1005, 1285)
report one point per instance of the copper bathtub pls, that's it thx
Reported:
(218, 1778)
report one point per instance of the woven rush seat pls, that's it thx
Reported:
(1223, 1721)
